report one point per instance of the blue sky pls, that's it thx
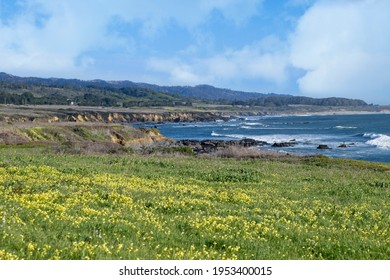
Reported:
(317, 48)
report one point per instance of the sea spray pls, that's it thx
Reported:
(381, 141)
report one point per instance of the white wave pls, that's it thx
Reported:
(254, 123)
(247, 127)
(259, 124)
(239, 136)
(213, 133)
(206, 125)
(302, 138)
(382, 141)
(195, 125)
(230, 125)
(236, 136)
(345, 127)
(253, 118)
(277, 138)
(371, 135)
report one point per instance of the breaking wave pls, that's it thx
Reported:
(302, 138)
(345, 127)
(381, 141)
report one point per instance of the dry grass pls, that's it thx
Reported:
(10, 138)
(237, 152)
(36, 133)
(249, 153)
(93, 148)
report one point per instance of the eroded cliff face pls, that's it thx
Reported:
(88, 133)
(114, 117)
(143, 117)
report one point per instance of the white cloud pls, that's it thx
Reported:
(51, 46)
(177, 71)
(48, 37)
(264, 60)
(344, 48)
(249, 62)
(341, 46)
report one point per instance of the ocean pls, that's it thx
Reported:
(366, 136)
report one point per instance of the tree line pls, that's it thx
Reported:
(30, 94)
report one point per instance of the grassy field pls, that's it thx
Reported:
(131, 207)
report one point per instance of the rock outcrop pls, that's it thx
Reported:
(285, 144)
(323, 147)
(210, 146)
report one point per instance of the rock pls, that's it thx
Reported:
(209, 146)
(281, 145)
(343, 145)
(285, 144)
(323, 147)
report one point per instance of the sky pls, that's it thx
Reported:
(315, 48)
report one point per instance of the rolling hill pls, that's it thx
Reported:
(31, 90)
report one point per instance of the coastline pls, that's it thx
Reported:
(329, 113)
(359, 136)
(53, 113)
(94, 119)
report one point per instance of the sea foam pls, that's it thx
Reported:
(345, 127)
(382, 141)
(276, 138)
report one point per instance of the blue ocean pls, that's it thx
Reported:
(366, 136)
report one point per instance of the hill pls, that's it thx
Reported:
(30, 90)
(200, 91)
(211, 93)
(53, 91)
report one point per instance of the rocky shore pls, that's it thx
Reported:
(100, 137)
(51, 124)
(211, 146)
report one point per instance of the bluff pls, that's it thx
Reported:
(10, 114)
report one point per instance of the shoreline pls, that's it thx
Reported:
(331, 113)
(336, 136)
(54, 113)
(119, 137)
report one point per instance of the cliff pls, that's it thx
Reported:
(78, 134)
(50, 114)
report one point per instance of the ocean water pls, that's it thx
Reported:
(367, 135)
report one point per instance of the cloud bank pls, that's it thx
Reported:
(344, 49)
(53, 36)
(256, 61)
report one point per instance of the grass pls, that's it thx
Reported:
(131, 207)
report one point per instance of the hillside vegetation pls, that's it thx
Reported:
(82, 138)
(62, 206)
(38, 91)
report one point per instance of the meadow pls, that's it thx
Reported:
(70, 206)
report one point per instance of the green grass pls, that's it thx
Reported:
(133, 207)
